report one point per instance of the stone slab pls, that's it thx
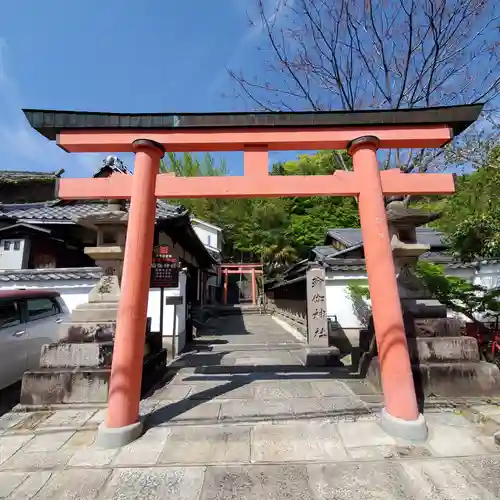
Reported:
(283, 389)
(9, 481)
(320, 356)
(185, 411)
(450, 379)
(207, 445)
(445, 349)
(66, 419)
(363, 433)
(11, 444)
(441, 480)
(332, 388)
(145, 451)
(243, 411)
(95, 355)
(31, 486)
(92, 457)
(160, 482)
(83, 484)
(251, 482)
(486, 471)
(50, 441)
(52, 386)
(40, 460)
(359, 481)
(297, 441)
(449, 441)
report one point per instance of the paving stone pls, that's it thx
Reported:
(186, 411)
(334, 406)
(10, 419)
(331, 388)
(307, 408)
(39, 460)
(166, 483)
(80, 439)
(256, 410)
(486, 471)
(31, 421)
(92, 457)
(296, 441)
(358, 481)
(51, 441)
(204, 445)
(362, 388)
(144, 451)
(450, 441)
(237, 388)
(171, 392)
(284, 389)
(491, 412)
(66, 418)
(442, 480)
(9, 481)
(74, 484)
(29, 488)
(372, 453)
(251, 482)
(11, 444)
(97, 418)
(363, 433)
(447, 418)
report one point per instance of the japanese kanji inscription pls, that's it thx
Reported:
(317, 327)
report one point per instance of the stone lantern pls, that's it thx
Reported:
(444, 362)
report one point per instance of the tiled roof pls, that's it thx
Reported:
(61, 211)
(359, 264)
(352, 236)
(58, 274)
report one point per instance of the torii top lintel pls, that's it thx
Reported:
(255, 134)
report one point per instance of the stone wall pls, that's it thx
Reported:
(288, 301)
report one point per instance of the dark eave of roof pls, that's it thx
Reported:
(50, 122)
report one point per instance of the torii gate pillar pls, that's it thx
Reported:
(122, 424)
(401, 409)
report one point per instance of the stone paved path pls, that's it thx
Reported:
(244, 421)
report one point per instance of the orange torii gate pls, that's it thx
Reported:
(252, 269)
(150, 135)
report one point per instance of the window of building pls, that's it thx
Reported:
(209, 240)
(42, 308)
(6, 245)
(9, 313)
(17, 245)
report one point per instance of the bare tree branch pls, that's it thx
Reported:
(387, 54)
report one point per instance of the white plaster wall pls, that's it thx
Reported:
(338, 301)
(75, 292)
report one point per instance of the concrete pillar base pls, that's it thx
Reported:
(116, 437)
(410, 430)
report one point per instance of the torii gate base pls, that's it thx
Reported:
(362, 133)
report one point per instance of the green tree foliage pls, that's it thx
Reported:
(274, 231)
(457, 294)
(471, 217)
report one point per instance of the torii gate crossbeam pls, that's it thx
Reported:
(150, 135)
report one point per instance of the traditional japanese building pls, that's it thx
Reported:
(41, 246)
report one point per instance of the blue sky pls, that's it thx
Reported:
(116, 55)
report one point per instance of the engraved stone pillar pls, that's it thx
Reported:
(318, 352)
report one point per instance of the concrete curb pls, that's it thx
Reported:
(410, 430)
(108, 437)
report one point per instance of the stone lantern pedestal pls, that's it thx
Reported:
(77, 368)
(444, 362)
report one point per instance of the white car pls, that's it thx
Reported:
(28, 320)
